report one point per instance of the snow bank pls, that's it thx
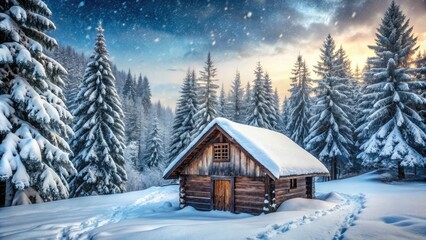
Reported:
(383, 211)
(276, 152)
(303, 204)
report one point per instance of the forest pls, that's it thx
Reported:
(74, 125)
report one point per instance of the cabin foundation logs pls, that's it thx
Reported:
(182, 193)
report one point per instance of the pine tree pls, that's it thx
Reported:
(75, 64)
(139, 88)
(222, 107)
(207, 96)
(299, 103)
(184, 121)
(273, 111)
(285, 117)
(99, 132)
(246, 102)
(394, 130)
(155, 148)
(146, 95)
(34, 121)
(330, 135)
(129, 89)
(276, 106)
(131, 114)
(236, 106)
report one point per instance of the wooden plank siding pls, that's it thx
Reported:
(197, 192)
(249, 194)
(238, 165)
(283, 191)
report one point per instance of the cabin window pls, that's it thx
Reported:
(293, 183)
(221, 152)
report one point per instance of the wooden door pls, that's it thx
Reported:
(2, 193)
(222, 195)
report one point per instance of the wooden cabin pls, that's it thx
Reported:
(240, 168)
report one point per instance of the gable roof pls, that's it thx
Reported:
(274, 151)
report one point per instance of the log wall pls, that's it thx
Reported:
(239, 164)
(283, 191)
(195, 192)
(249, 195)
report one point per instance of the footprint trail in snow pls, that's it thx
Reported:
(353, 205)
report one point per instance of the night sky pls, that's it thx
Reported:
(161, 39)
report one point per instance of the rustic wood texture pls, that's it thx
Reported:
(197, 192)
(283, 191)
(222, 195)
(249, 194)
(239, 164)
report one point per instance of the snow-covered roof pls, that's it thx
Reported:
(273, 150)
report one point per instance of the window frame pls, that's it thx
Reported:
(293, 183)
(221, 152)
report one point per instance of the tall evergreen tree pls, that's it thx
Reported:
(236, 107)
(154, 148)
(129, 89)
(184, 121)
(207, 99)
(131, 113)
(146, 95)
(222, 107)
(99, 132)
(34, 121)
(395, 132)
(259, 108)
(285, 116)
(299, 103)
(273, 110)
(246, 102)
(139, 88)
(330, 135)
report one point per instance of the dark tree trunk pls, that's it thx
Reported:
(401, 172)
(333, 168)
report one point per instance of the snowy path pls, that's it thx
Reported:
(382, 211)
(351, 207)
(82, 230)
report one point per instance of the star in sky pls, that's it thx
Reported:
(161, 39)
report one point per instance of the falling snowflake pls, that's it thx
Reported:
(353, 14)
(157, 40)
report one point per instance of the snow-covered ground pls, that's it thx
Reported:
(355, 208)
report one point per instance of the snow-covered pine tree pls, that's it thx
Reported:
(259, 107)
(129, 89)
(236, 106)
(207, 97)
(222, 107)
(330, 134)
(396, 133)
(273, 110)
(276, 106)
(246, 102)
(34, 121)
(75, 64)
(299, 102)
(358, 75)
(184, 121)
(285, 116)
(99, 131)
(139, 88)
(146, 96)
(132, 114)
(154, 154)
